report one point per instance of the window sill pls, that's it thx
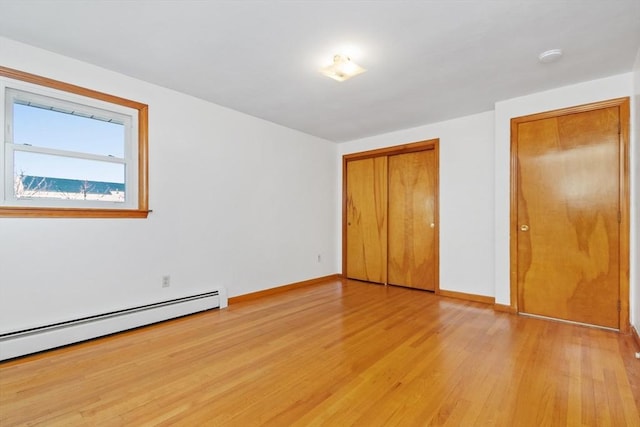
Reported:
(19, 212)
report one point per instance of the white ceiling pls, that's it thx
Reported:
(427, 61)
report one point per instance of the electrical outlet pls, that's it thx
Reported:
(319, 258)
(166, 281)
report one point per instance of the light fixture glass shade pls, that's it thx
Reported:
(342, 68)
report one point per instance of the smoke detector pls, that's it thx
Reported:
(550, 56)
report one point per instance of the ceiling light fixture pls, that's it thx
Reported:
(550, 56)
(342, 68)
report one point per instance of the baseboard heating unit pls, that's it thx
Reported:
(20, 343)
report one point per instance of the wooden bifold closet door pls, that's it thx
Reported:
(411, 240)
(390, 215)
(367, 219)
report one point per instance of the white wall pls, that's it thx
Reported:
(635, 202)
(466, 196)
(583, 93)
(237, 201)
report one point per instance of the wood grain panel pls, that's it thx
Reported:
(333, 354)
(411, 236)
(568, 197)
(366, 211)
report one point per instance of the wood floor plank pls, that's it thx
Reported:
(335, 353)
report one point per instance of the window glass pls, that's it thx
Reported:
(67, 178)
(42, 126)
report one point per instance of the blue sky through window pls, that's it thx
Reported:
(51, 129)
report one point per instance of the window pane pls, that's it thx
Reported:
(68, 130)
(55, 177)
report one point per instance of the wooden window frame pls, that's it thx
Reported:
(142, 208)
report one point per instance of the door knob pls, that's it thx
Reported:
(433, 225)
(524, 227)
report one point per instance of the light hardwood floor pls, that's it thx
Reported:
(334, 354)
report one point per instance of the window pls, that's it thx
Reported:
(70, 151)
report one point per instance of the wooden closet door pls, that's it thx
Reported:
(568, 207)
(412, 216)
(366, 211)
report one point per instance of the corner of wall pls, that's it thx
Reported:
(634, 274)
